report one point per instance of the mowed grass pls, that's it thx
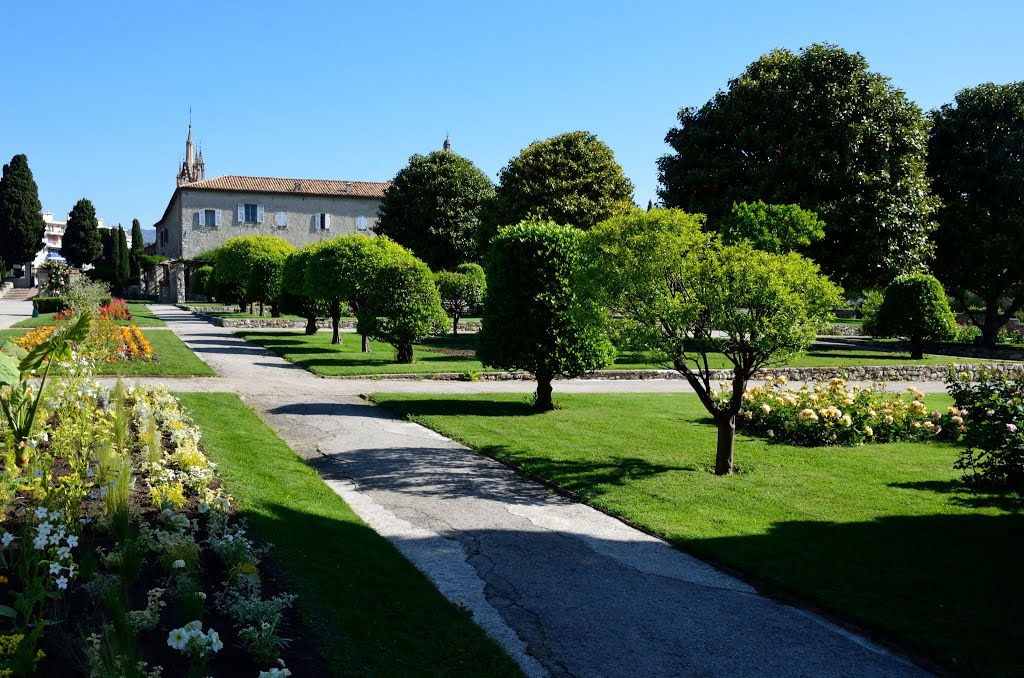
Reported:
(456, 353)
(372, 611)
(141, 316)
(883, 536)
(172, 358)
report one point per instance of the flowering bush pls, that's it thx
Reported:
(993, 407)
(834, 414)
(117, 309)
(965, 333)
(107, 342)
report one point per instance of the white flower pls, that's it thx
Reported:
(61, 582)
(89, 472)
(55, 568)
(7, 539)
(177, 639)
(193, 626)
(72, 541)
(178, 565)
(202, 596)
(41, 513)
(216, 644)
(203, 507)
(39, 543)
(63, 552)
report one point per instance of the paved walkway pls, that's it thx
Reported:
(13, 311)
(566, 589)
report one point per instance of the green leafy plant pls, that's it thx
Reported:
(462, 291)
(915, 308)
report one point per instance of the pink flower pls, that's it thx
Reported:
(1012, 428)
(990, 412)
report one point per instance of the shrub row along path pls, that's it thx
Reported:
(568, 590)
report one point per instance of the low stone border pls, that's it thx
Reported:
(869, 373)
(844, 330)
(268, 323)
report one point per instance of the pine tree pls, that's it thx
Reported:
(123, 268)
(82, 237)
(21, 222)
(138, 249)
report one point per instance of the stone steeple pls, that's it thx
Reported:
(447, 143)
(192, 169)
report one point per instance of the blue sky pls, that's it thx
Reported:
(97, 94)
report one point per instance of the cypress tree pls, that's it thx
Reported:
(21, 224)
(82, 236)
(138, 249)
(123, 268)
(107, 244)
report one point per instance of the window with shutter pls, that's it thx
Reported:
(259, 214)
(361, 223)
(282, 219)
(241, 213)
(327, 221)
(216, 217)
(201, 215)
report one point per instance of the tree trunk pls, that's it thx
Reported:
(335, 321)
(241, 307)
(916, 349)
(311, 325)
(251, 305)
(990, 327)
(403, 352)
(543, 401)
(366, 345)
(455, 325)
(726, 438)
(261, 309)
(275, 310)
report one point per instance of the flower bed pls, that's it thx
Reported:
(831, 413)
(120, 553)
(107, 341)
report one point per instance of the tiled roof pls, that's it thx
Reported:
(355, 189)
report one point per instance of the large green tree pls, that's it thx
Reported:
(123, 257)
(819, 130)
(681, 294)
(975, 158)
(138, 249)
(462, 291)
(81, 244)
(434, 207)
(570, 179)
(253, 265)
(21, 222)
(534, 317)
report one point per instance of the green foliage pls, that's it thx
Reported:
(294, 298)
(434, 207)
(771, 228)
(915, 308)
(974, 158)
(535, 318)
(137, 251)
(21, 224)
(249, 267)
(683, 295)
(81, 244)
(819, 130)
(123, 257)
(462, 291)
(992, 406)
(201, 279)
(571, 179)
(402, 305)
(869, 307)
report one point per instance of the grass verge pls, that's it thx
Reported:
(172, 358)
(374, 613)
(141, 316)
(458, 354)
(883, 536)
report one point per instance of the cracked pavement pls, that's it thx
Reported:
(566, 589)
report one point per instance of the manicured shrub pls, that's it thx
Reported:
(993, 429)
(200, 281)
(535, 318)
(462, 291)
(402, 306)
(915, 308)
(49, 304)
(251, 267)
(294, 298)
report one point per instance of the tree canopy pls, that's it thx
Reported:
(570, 179)
(771, 228)
(462, 291)
(914, 308)
(974, 157)
(819, 130)
(81, 244)
(21, 224)
(435, 206)
(534, 317)
(251, 265)
(123, 257)
(681, 294)
(137, 250)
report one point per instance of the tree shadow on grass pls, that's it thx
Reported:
(962, 494)
(416, 409)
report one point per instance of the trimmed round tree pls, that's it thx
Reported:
(402, 305)
(462, 291)
(294, 298)
(251, 266)
(572, 178)
(434, 207)
(81, 244)
(21, 224)
(677, 292)
(915, 309)
(535, 319)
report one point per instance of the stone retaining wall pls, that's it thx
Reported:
(866, 373)
(203, 313)
(844, 330)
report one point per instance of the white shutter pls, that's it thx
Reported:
(282, 219)
(241, 213)
(202, 217)
(361, 223)
(259, 214)
(216, 218)
(327, 221)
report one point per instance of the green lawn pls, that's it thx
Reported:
(141, 316)
(883, 536)
(316, 354)
(373, 612)
(172, 358)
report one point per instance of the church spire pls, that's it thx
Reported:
(447, 143)
(192, 168)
